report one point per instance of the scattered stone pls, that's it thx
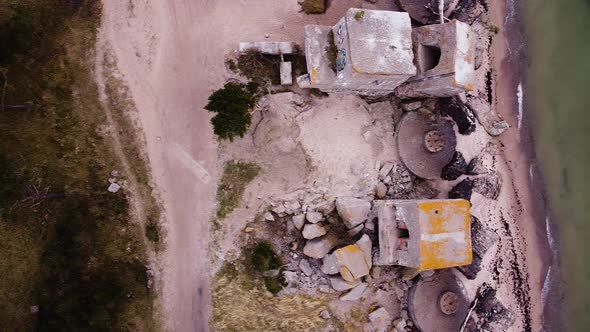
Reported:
(325, 314)
(455, 168)
(279, 210)
(381, 190)
(319, 247)
(353, 211)
(380, 319)
(410, 105)
(463, 190)
(299, 221)
(268, 216)
(488, 185)
(292, 207)
(249, 229)
(387, 180)
(330, 264)
(385, 169)
(354, 231)
(460, 113)
(294, 245)
(115, 173)
(271, 273)
(290, 277)
(340, 284)
(311, 231)
(112, 180)
(35, 308)
(113, 188)
(399, 325)
(484, 162)
(305, 267)
(352, 261)
(325, 289)
(356, 293)
(314, 217)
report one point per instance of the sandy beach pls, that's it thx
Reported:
(171, 54)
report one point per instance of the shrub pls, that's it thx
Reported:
(359, 15)
(259, 68)
(313, 6)
(264, 258)
(232, 105)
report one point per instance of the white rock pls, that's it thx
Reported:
(325, 314)
(385, 169)
(311, 231)
(314, 217)
(330, 264)
(268, 216)
(353, 211)
(290, 277)
(319, 247)
(299, 221)
(113, 188)
(305, 267)
(380, 319)
(340, 284)
(356, 293)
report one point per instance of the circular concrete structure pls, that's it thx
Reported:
(426, 143)
(440, 304)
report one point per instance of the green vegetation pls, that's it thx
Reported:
(235, 178)
(68, 246)
(313, 6)
(358, 15)
(262, 69)
(231, 105)
(264, 258)
(332, 51)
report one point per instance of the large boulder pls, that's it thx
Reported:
(460, 113)
(311, 231)
(330, 264)
(353, 211)
(463, 190)
(355, 260)
(319, 247)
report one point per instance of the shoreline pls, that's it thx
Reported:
(511, 98)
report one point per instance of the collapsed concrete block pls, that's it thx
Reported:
(445, 54)
(319, 247)
(286, 73)
(491, 120)
(353, 211)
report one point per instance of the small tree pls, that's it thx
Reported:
(232, 105)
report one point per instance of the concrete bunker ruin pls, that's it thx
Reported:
(445, 58)
(424, 234)
(373, 53)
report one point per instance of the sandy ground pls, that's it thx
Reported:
(171, 54)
